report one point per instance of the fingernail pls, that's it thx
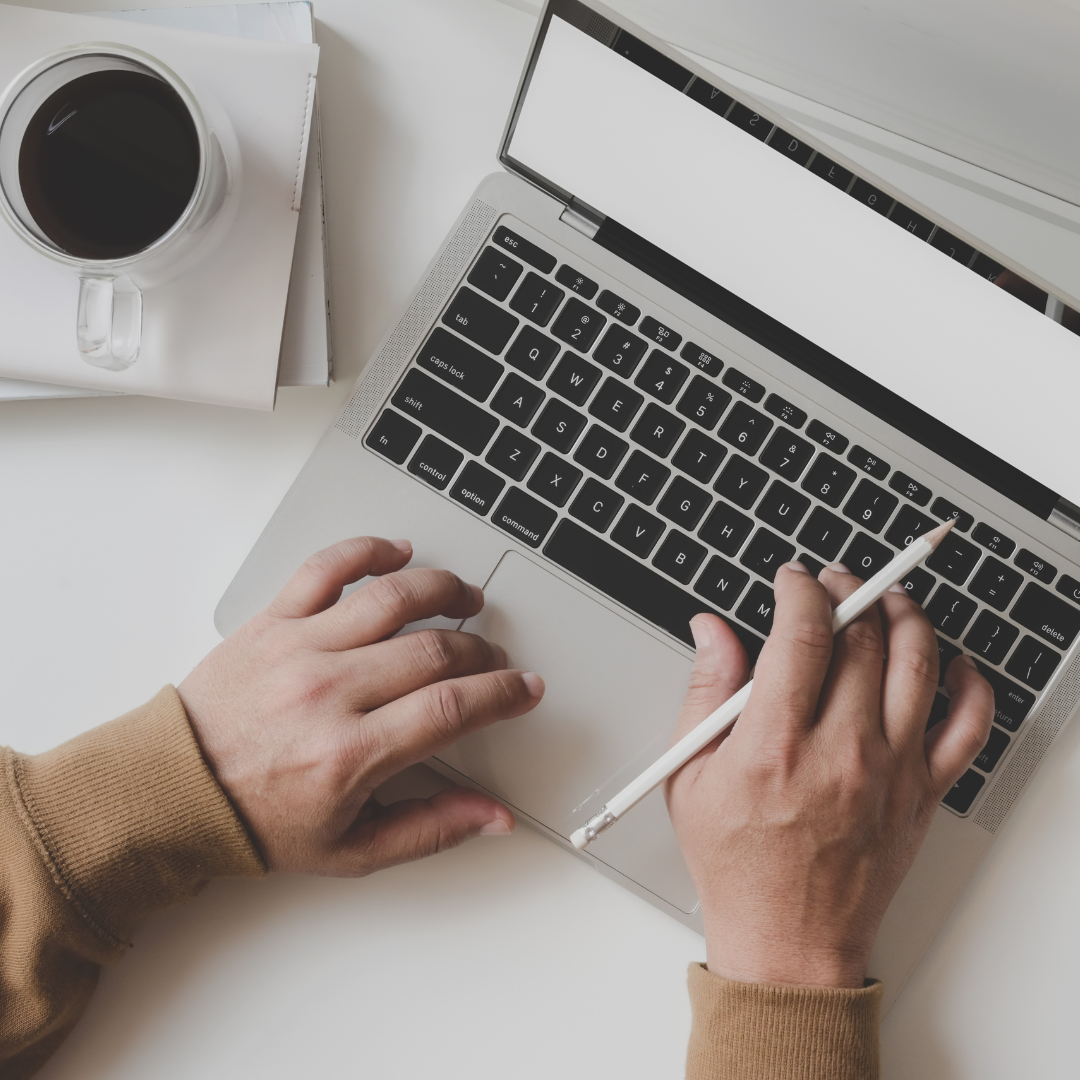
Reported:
(838, 568)
(797, 567)
(533, 683)
(498, 827)
(965, 659)
(403, 546)
(898, 588)
(478, 594)
(701, 633)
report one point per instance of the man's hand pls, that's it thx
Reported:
(799, 826)
(311, 705)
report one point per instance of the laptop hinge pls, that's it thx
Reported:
(583, 218)
(1066, 517)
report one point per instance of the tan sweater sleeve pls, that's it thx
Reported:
(748, 1031)
(94, 836)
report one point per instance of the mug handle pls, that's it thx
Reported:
(109, 326)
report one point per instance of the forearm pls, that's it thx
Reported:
(94, 836)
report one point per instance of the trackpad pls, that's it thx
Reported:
(612, 695)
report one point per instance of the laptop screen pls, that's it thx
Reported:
(895, 313)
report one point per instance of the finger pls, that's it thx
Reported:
(318, 583)
(911, 671)
(793, 664)
(720, 668)
(391, 669)
(422, 723)
(414, 828)
(385, 604)
(951, 746)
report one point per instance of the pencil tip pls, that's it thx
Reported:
(935, 536)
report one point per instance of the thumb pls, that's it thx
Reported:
(720, 668)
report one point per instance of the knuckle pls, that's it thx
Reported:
(392, 594)
(919, 666)
(446, 711)
(434, 650)
(811, 638)
(862, 638)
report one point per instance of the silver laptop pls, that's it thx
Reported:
(669, 347)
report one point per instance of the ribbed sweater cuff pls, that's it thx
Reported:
(128, 817)
(749, 1031)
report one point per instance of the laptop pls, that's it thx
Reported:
(669, 346)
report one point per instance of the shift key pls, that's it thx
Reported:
(445, 412)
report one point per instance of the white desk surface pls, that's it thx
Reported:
(124, 520)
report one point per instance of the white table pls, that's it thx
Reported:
(124, 520)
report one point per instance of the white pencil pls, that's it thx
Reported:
(719, 721)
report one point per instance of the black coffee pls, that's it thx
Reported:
(109, 163)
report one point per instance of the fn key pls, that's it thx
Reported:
(393, 436)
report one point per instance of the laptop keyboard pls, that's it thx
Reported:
(671, 481)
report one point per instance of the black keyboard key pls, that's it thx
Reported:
(726, 529)
(938, 711)
(578, 325)
(765, 553)
(745, 428)
(951, 246)
(699, 456)
(721, 583)
(831, 440)
(793, 149)
(993, 540)
(1044, 614)
(512, 453)
(532, 353)
(523, 516)
(783, 508)
(574, 378)
(662, 376)
(576, 282)
(1036, 566)
(437, 406)
(871, 506)
(986, 267)
(815, 566)
(947, 653)
(954, 558)
(918, 584)
(600, 451)
(744, 385)
(943, 509)
(991, 638)
(709, 96)
(642, 477)
(435, 462)
(679, 556)
(704, 402)
(620, 351)
(616, 404)
(962, 794)
(495, 273)
(1012, 703)
(827, 169)
(828, 480)
(638, 531)
(950, 611)
(482, 322)
(477, 488)
(865, 557)
(787, 455)
(702, 359)
(596, 505)
(537, 299)
(559, 426)
(517, 400)
(661, 334)
(824, 534)
(758, 607)
(991, 753)
(791, 415)
(870, 196)
(908, 526)
(684, 503)
(741, 482)
(750, 121)
(996, 583)
(524, 249)
(657, 430)
(639, 588)
(913, 223)
(861, 458)
(618, 308)
(1070, 587)
(910, 489)
(1033, 663)
(393, 436)
(554, 479)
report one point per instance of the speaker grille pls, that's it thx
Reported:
(600, 28)
(1035, 743)
(402, 343)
